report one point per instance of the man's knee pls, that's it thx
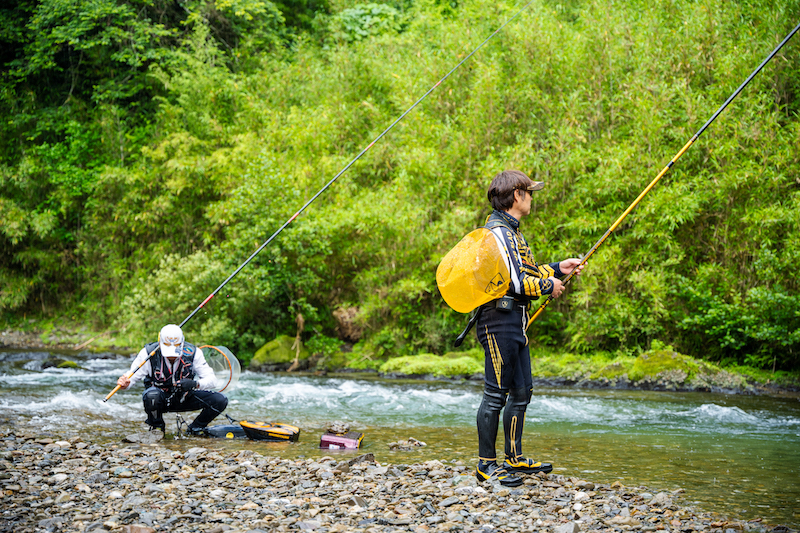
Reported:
(217, 401)
(520, 397)
(493, 398)
(153, 399)
(222, 402)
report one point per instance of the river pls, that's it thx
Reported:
(733, 454)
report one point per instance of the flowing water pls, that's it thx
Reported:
(734, 454)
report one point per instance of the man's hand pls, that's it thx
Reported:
(124, 381)
(187, 384)
(568, 265)
(558, 287)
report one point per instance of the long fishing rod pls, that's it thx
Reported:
(666, 168)
(348, 165)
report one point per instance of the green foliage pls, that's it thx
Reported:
(148, 148)
(766, 377)
(329, 351)
(759, 328)
(365, 20)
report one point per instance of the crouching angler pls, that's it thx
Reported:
(177, 379)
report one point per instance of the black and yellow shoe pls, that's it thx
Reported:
(489, 470)
(526, 466)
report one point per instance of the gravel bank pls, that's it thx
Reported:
(50, 484)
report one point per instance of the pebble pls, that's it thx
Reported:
(142, 488)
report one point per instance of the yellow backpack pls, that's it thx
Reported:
(474, 272)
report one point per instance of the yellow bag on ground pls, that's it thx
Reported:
(474, 272)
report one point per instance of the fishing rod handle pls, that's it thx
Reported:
(118, 387)
(112, 393)
(130, 374)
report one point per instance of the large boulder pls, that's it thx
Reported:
(279, 354)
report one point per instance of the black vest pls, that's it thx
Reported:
(161, 374)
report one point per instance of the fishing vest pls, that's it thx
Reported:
(161, 371)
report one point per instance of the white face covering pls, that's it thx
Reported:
(170, 340)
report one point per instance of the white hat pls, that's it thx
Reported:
(170, 340)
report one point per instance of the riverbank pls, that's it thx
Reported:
(658, 369)
(54, 483)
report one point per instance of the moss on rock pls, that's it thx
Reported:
(614, 370)
(661, 358)
(57, 362)
(279, 354)
(454, 364)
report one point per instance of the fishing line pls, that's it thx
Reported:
(666, 168)
(348, 165)
(338, 174)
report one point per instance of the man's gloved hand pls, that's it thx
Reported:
(187, 384)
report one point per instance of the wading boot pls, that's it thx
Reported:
(489, 470)
(195, 432)
(521, 465)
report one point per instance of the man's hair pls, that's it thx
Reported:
(501, 190)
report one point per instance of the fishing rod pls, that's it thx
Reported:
(348, 165)
(338, 174)
(666, 169)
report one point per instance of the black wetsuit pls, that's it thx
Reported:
(502, 333)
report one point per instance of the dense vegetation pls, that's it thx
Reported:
(148, 147)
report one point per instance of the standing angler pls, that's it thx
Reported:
(176, 379)
(501, 328)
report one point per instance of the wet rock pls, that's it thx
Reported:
(98, 477)
(144, 437)
(136, 528)
(662, 500)
(356, 501)
(406, 445)
(452, 500)
(123, 472)
(58, 478)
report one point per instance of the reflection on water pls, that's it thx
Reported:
(737, 455)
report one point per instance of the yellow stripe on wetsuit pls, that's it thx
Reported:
(497, 358)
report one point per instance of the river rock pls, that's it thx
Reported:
(137, 528)
(144, 437)
(210, 491)
(406, 445)
(662, 500)
(452, 500)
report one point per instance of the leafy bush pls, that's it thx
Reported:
(144, 161)
(365, 20)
